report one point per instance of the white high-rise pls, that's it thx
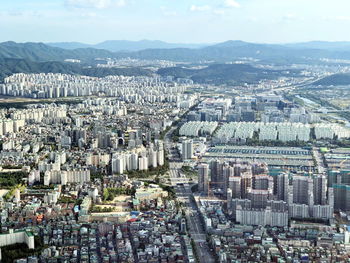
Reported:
(118, 165)
(134, 161)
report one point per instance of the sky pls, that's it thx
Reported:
(177, 21)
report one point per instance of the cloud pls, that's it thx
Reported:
(196, 8)
(89, 15)
(232, 3)
(16, 13)
(342, 18)
(219, 12)
(336, 19)
(253, 19)
(168, 12)
(289, 18)
(99, 4)
(27, 14)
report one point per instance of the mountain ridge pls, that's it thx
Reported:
(222, 52)
(218, 74)
(126, 45)
(9, 66)
(339, 79)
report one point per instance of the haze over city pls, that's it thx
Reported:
(181, 21)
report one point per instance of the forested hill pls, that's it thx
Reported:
(335, 80)
(9, 66)
(234, 74)
(40, 52)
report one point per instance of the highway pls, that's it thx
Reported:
(184, 194)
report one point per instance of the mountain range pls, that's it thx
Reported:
(37, 57)
(125, 45)
(235, 50)
(340, 79)
(341, 45)
(310, 52)
(9, 66)
(217, 74)
(40, 52)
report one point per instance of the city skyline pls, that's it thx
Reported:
(144, 131)
(93, 21)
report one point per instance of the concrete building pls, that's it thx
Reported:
(16, 237)
(341, 197)
(303, 190)
(282, 186)
(261, 217)
(118, 164)
(64, 177)
(203, 178)
(320, 189)
(187, 149)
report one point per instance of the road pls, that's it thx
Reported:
(184, 194)
(176, 176)
(194, 223)
(175, 163)
(319, 160)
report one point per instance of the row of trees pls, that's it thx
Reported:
(99, 209)
(17, 251)
(188, 170)
(8, 180)
(275, 143)
(11, 192)
(151, 172)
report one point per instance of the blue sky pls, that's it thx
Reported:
(185, 21)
